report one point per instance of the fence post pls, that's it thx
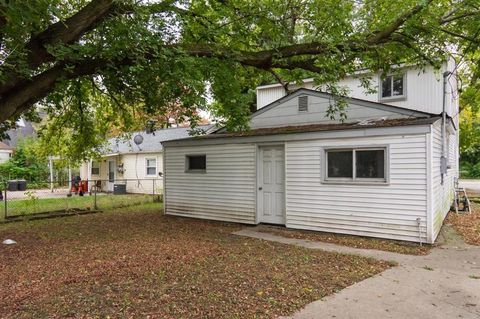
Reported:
(95, 198)
(153, 190)
(5, 199)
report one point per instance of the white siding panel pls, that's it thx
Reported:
(136, 176)
(424, 91)
(443, 194)
(225, 192)
(387, 211)
(287, 114)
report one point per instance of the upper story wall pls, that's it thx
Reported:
(423, 90)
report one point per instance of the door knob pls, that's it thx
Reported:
(260, 188)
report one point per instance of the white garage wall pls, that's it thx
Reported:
(387, 211)
(225, 192)
(443, 194)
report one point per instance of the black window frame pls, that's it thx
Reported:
(354, 178)
(188, 168)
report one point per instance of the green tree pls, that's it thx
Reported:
(149, 54)
(25, 163)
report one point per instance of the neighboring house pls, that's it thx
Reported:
(377, 174)
(23, 130)
(140, 167)
(5, 152)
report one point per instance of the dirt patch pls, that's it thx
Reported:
(467, 225)
(351, 241)
(140, 263)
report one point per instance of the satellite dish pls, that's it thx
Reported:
(138, 139)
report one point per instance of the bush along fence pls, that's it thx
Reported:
(20, 198)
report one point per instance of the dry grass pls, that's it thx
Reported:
(467, 225)
(140, 263)
(351, 241)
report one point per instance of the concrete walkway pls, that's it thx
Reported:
(439, 285)
(472, 185)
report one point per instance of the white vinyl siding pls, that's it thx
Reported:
(287, 113)
(226, 191)
(134, 174)
(424, 90)
(443, 194)
(387, 211)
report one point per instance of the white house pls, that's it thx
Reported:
(139, 167)
(380, 173)
(5, 152)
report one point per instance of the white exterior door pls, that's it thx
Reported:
(271, 185)
(111, 174)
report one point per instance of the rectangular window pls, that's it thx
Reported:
(393, 86)
(95, 168)
(356, 164)
(340, 164)
(370, 164)
(196, 163)
(151, 166)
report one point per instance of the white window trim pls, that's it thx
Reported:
(393, 97)
(354, 180)
(198, 171)
(146, 166)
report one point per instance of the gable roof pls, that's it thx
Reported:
(350, 100)
(311, 128)
(5, 147)
(151, 142)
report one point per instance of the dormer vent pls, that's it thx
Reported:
(303, 103)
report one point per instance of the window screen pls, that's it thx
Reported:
(340, 164)
(151, 166)
(370, 164)
(196, 162)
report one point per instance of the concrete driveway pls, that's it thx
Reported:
(443, 284)
(40, 193)
(473, 185)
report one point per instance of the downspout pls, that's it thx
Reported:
(443, 159)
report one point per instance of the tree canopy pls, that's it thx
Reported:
(97, 64)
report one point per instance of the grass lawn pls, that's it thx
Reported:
(136, 262)
(351, 241)
(104, 202)
(467, 225)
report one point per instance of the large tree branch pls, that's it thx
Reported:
(25, 95)
(385, 33)
(70, 31)
(66, 32)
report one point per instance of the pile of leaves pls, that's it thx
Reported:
(140, 263)
(468, 225)
(395, 246)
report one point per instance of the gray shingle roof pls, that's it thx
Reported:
(151, 142)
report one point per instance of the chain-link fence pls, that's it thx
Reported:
(23, 198)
